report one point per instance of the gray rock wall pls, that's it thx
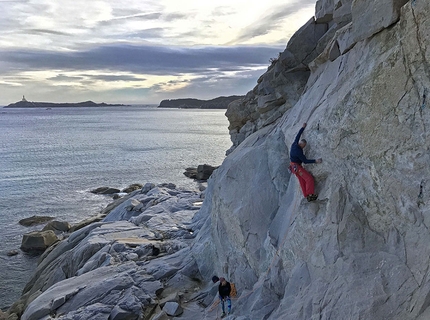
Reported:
(361, 251)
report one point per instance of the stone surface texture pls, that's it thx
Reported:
(107, 269)
(359, 252)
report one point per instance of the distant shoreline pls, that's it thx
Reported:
(190, 103)
(31, 104)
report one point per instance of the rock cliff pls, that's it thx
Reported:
(358, 74)
(361, 251)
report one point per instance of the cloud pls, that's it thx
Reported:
(45, 31)
(152, 33)
(136, 16)
(62, 77)
(271, 21)
(156, 60)
(116, 78)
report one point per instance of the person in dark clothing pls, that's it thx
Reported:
(224, 290)
(297, 157)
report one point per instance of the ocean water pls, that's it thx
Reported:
(50, 159)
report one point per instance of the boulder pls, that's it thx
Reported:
(3, 315)
(12, 253)
(173, 297)
(173, 309)
(38, 240)
(85, 223)
(147, 187)
(191, 173)
(34, 220)
(370, 17)
(303, 43)
(57, 226)
(132, 187)
(105, 190)
(324, 11)
(342, 11)
(204, 171)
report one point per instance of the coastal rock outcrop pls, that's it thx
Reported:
(105, 190)
(202, 172)
(216, 103)
(34, 220)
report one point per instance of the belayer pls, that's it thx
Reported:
(297, 157)
(224, 290)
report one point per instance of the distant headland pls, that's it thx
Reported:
(24, 103)
(217, 103)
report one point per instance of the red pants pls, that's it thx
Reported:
(305, 179)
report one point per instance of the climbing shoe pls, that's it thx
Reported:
(311, 197)
(223, 315)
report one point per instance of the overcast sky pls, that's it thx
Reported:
(140, 51)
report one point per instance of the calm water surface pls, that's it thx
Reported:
(50, 159)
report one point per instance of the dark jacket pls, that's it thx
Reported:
(224, 291)
(296, 153)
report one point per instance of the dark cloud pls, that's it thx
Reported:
(142, 16)
(45, 31)
(114, 78)
(89, 78)
(156, 60)
(62, 77)
(136, 16)
(152, 33)
(271, 21)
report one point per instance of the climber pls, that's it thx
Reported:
(224, 294)
(297, 157)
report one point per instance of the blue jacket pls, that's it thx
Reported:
(296, 153)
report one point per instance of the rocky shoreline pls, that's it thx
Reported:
(132, 261)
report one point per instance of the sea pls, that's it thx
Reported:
(50, 159)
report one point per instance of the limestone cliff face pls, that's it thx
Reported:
(362, 251)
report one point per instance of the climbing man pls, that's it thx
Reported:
(224, 290)
(297, 157)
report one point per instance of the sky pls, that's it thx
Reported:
(140, 51)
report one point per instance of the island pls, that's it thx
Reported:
(24, 103)
(189, 103)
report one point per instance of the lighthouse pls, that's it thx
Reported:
(23, 99)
